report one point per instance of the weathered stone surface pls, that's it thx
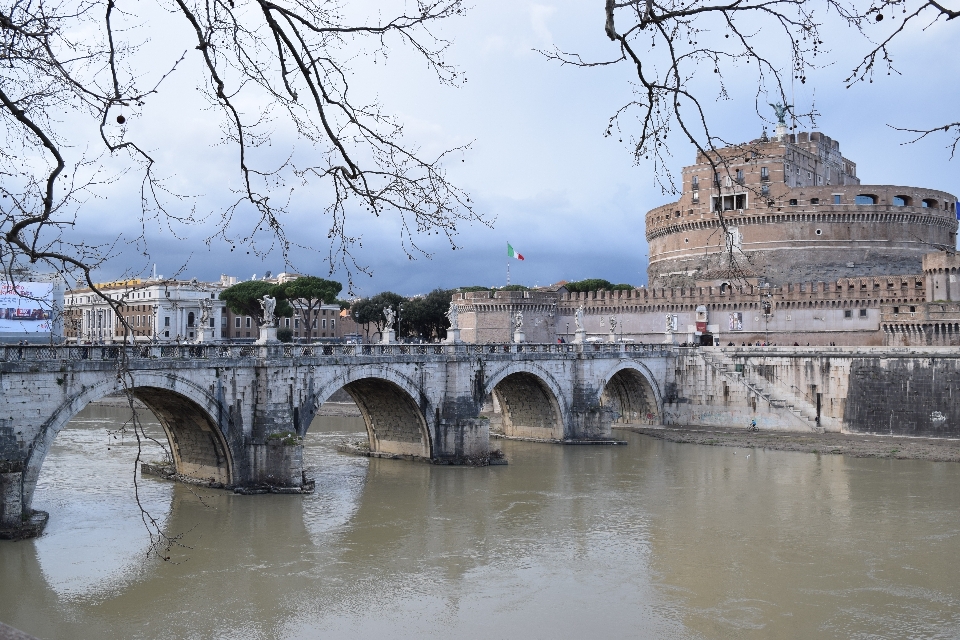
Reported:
(233, 414)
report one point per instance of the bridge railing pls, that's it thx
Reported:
(232, 351)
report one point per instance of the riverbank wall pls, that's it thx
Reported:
(885, 390)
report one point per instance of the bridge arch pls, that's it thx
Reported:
(630, 389)
(532, 403)
(187, 412)
(396, 413)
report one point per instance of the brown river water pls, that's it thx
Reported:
(649, 540)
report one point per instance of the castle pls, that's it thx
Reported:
(773, 241)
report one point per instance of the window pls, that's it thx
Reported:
(814, 200)
(848, 313)
(740, 176)
(866, 198)
(928, 203)
(896, 310)
(223, 321)
(913, 309)
(695, 182)
(863, 313)
(819, 232)
(333, 324)
(726, 181)
(166, 321)
(696, 196)
(213, 323)
(764, 189)
(324, 325)
(166, 334)
(793, 202)
(286, 322)
(901, 201)
(248, 325)
(836, 198)
(190, 319)
(236, 323)
(764, 173)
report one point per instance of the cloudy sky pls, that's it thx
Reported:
(566, 197)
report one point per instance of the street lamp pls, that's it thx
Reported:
(399, 318)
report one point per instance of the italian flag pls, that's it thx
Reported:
(511, 253)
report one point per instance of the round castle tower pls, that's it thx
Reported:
(794, 211)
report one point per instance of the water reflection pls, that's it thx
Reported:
(649, 540)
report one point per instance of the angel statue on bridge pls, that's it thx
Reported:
(518, 321)
(578, 318)
(390, 315)
(453, 315)
(269, 306)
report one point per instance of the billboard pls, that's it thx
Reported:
(26, 307)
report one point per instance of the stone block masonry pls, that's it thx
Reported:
(234, 414)
(899, 391)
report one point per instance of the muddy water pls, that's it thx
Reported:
(653, 539)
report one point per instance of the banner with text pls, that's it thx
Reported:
(25, 307)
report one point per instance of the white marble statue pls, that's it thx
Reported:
(269, 306)
(518, 321)
(578, 318)
(390, 315)
(613, 324)
(205, 308)
(453, 314)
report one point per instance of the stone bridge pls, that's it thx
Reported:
(233, 414)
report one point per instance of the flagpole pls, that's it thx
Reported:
(508, 271)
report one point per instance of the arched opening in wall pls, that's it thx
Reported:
(631, 397)
(528, 408)
(85, 482)
(902, 201)
(83, 464)
(197, 446)
(866, 198)
(929, 203)
(394, 422)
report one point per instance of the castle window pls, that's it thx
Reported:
(929, 203)
(814, 200)
(902, 201)
(866, 198)
(836, 198)
(819, 232)
(896, 310)
(793, 202)
(913, 309)
(863, 313)
(848, 313)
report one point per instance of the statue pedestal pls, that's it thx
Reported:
(453, 336)
(612, 337)
(518, 336)
(389, 337)
(206, 334)
(668, 338)
(580, 337)
(268, 335)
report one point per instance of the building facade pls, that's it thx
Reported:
(773, 241)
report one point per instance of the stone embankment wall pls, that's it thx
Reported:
(905, 391)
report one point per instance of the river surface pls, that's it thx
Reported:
(649, 540)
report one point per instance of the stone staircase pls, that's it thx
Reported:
(804, 412)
